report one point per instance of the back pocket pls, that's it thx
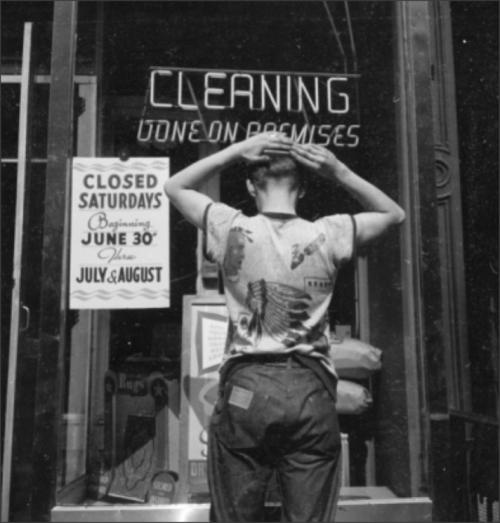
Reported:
(242, 418)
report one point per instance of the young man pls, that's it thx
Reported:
(276, 410)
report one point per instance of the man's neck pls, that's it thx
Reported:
(277, 202)
(278, 209)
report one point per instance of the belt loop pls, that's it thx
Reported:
(289, 362)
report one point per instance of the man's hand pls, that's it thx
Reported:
(319, 160)
(256, 148)
(381, 212)
(183, 189)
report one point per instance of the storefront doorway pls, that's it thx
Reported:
(374, 296)
(25, 111)
(100, 342)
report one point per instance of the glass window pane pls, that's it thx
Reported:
(10, 119)
(14, 16)
(33, 270)
(8, 216)
(120, 349)
(39, 127)
(75, 412)
(86, 34)
(27, 350)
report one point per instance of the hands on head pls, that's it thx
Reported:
(380, 211)
(183, 190)
(256, 148)
(315, 158)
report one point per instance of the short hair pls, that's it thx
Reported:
(278, 167)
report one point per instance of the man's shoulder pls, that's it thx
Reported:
(218, 212)
(338, 217)
(336, 221)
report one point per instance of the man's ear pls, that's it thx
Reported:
(251, 188)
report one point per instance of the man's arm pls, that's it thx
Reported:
(381, 211)
(183, 188)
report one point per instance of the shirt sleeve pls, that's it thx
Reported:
(340, 233)
(218, 220)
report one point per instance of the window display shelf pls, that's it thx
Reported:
(356, 504)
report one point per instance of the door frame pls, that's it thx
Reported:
(87, 129)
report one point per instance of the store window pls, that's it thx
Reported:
(122, 409)
(114, 427)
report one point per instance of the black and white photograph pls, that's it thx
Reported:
(249, 260)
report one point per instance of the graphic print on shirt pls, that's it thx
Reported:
(235, 252)
(238, 334)
(279, 309)
(318, 284)
(317, 335)
(298, 257)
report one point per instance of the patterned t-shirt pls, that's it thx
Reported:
(279, 272)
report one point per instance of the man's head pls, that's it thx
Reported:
(281, 173)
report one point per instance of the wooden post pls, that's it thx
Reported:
(53, 335)
(420, 261)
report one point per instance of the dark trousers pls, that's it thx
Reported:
(274, 418)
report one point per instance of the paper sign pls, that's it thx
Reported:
(205, 326)
(214, 334)
(120, 237)
(209, 337)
